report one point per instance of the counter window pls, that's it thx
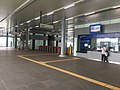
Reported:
(111, 43)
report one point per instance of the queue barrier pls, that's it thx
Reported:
(50, 49)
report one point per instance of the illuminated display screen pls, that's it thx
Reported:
(96, 29)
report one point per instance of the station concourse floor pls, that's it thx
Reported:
(33, 70)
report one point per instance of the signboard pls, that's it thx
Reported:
(95, 29)
(46, 26)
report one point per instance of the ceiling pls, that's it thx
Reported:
(32, 9)
(8, 6)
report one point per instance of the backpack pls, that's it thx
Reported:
(108, 53)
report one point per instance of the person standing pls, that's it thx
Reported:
(104, 56)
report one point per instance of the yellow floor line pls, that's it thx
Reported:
(72, 59)
(74, 74)
(29, 59)
(38, 54)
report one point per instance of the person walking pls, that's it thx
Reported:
(104, 56)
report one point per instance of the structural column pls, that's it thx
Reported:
(44, 41)
(27, 39)
(33, 43)
(15, 39)
(7, 39)
(56, 41)
(63, 38)
(8, 24)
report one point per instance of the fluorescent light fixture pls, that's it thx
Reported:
(28, 21)
(21, 24)
(70, 29)
(70, 18)
(89, 13)
(16, 26)
(36, 26)
(55, 22)
(49, 13)
(79, 1)
(68, 6)
(30, 27)
(53, 30)
(116, 6)
(37, 18)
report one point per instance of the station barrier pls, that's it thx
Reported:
(50, 49)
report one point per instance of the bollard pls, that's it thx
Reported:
(70, 50)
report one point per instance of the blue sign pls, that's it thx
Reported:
(95, 29)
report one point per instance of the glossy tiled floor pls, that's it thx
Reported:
(20, 74)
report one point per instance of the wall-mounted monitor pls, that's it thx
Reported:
(95, 29)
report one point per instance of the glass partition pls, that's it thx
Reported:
(111, 43)
(111, 40)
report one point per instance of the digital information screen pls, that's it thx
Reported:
(95, 29)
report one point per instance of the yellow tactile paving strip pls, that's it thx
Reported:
(71, 73)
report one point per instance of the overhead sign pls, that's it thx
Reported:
(46, 26)
(95, 29)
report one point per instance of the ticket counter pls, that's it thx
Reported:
(115, 57)
(92, 48)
